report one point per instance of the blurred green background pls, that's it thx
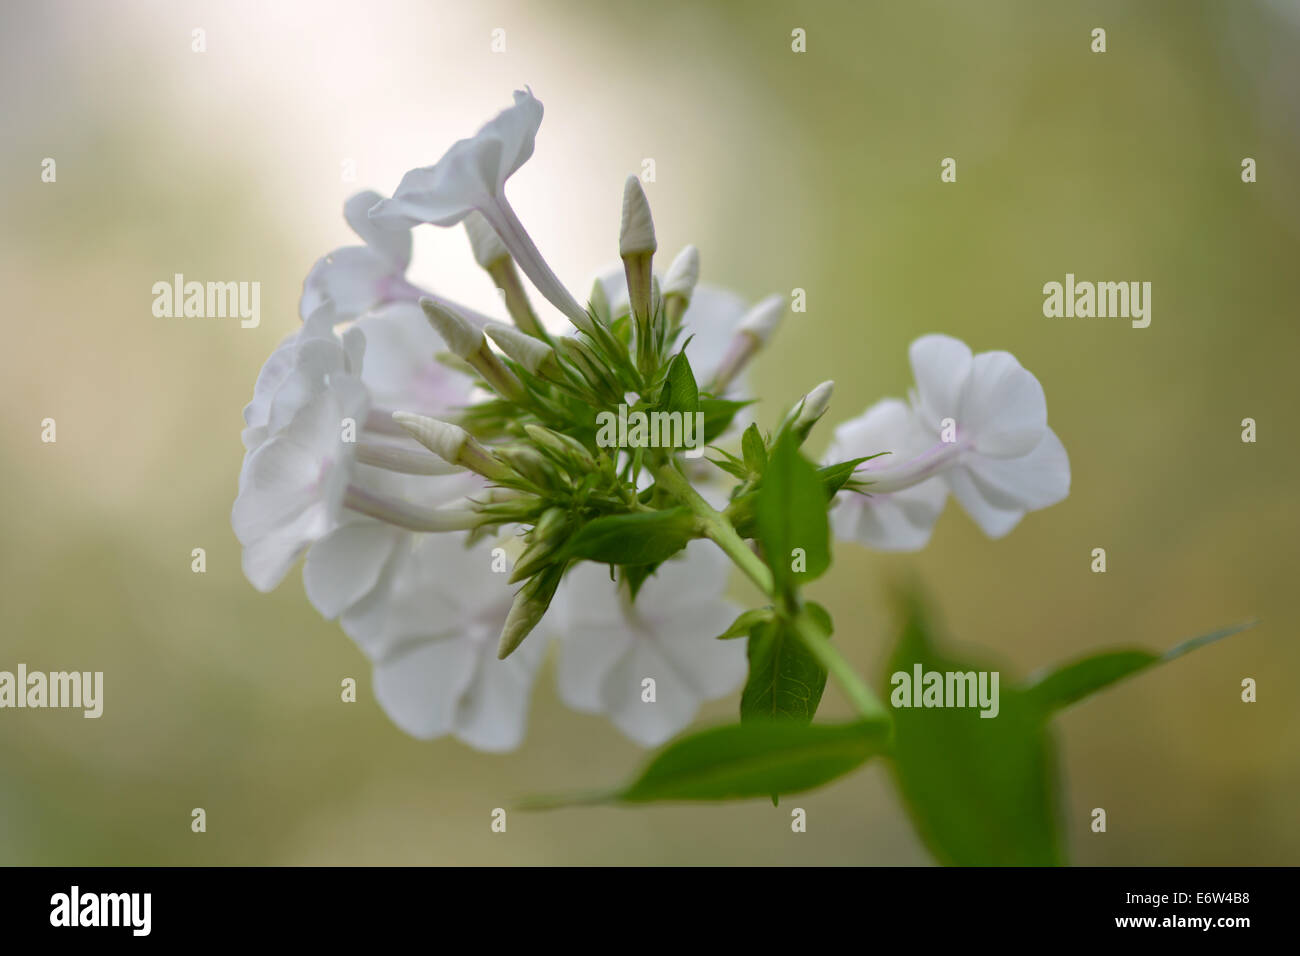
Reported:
(817, 170)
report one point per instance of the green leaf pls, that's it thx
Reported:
(731, 468)
(740, 761)
(981, 791)
(790, 514)
(718, 413)
(637, 575)
(785, 680)
(1072, 682)
(834, 476)
(746, 622)
(754, 449)
(680, 393)
(644, 537)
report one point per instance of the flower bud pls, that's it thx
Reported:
(529, 606)
(530, 465)
(637, 235)
(451, 443)
(533, 354)
(761, 321)
(468, 342)
(462, 336)
(753, 332)
(590, 367)
(544, 540)
(683, 274)
(637, 245)
(679, 284)
(562, 446)
(810, 409)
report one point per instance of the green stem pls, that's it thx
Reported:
(719, 530)
(860, 694)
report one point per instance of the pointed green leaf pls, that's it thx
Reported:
(1072, 682)
(981, 791)
(785, 680)
(790, 515)
(740, 761)
(680, 392)
(746, 622)
(643, 537)
(718, 413)
(753, 449)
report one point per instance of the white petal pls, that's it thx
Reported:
(420, 688)
(276, 486)
(268, 558)
(279, 365)
(345, 565)
(941, 366)
(1004, 407)
(393, 244)
(675, 705)
(493, 711)
(585, 606)
(898, 521)
(668, 634)
(995, 521)
(349, 280)
(688, 636)
(1033, 481)
(469, 174)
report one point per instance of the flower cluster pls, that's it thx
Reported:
(442, 474)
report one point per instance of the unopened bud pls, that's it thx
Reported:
(761, 321)
(683, 274)
(467, 340)
(461, 335)
(636, 244)
(752, 334)
(637, 234)
(528, 608)
(529, 464)
(562, 446)
(810, 409)
(451, 443)
(533, 354)
(543, 541)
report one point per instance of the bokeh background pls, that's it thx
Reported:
(817, 170)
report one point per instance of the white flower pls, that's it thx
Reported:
(400, 370)
(292, 485)
(431, 628)
(471, 176)
(354, 280)
(977, 426)
(887, 521)
(608, 646)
